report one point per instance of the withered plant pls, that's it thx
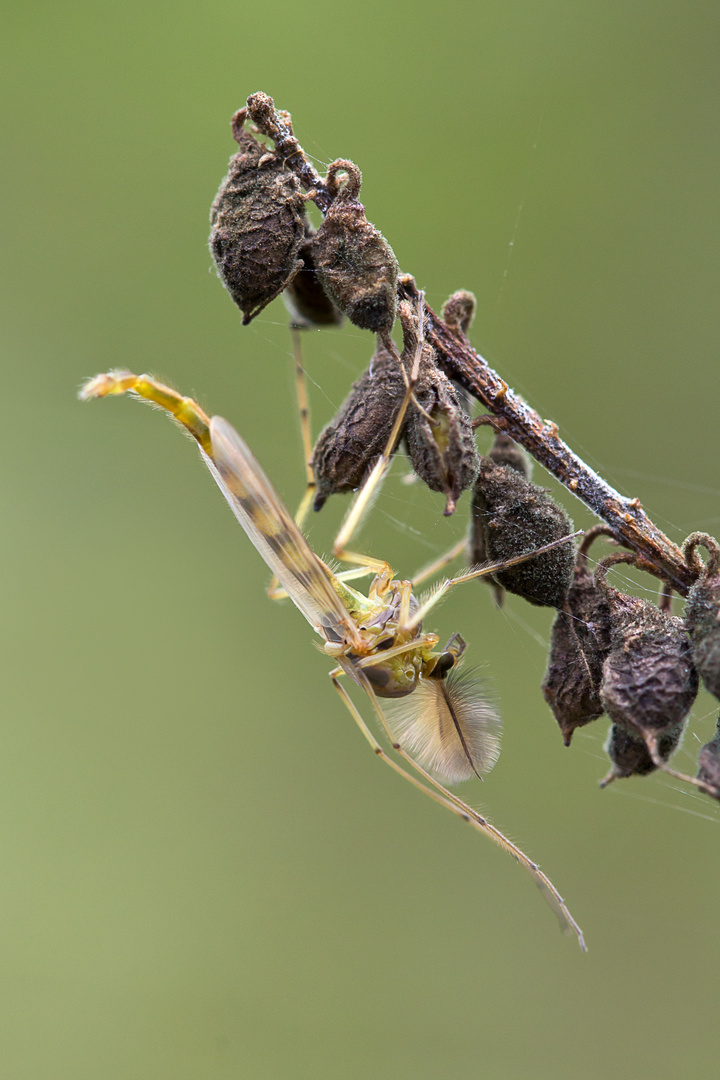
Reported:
(610, 653)
(594, 657)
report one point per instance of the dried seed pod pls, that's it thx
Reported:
(306, 300)
(649, 681)
(355, 264)
(709, 763)
(439, 439)
(511, 516)
(441, 448)
(579, 644)
(257, 224)
(702, 612)
(630, 756)
(355, 438)
(504, 451)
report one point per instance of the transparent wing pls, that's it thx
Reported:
(272, 530)
(448, 725)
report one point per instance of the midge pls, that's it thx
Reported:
(439, 724)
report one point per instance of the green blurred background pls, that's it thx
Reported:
(204, 872)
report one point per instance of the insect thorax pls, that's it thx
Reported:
(391, 656)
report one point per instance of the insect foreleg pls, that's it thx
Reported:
(479, 572)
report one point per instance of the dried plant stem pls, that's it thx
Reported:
(625, 517)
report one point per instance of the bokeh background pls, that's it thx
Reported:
(204, 872)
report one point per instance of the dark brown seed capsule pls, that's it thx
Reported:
(709, 763)
(579, 643)
(630, 756)
(649, 681)
(257, 224)
(702, 613)
(438, 431)
(440, 440)
(355, 264)
(349, 446)
(504, 451)
(510, 517)
(306, 300)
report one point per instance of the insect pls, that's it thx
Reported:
(436, 720)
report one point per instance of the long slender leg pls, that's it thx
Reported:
(370, 488)
(442, 560)
(481, 571)
(445, 798)
(549, 891)
(274, 591)
(305, 427)
(303, 403)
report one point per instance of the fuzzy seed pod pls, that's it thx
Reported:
(442, 448)
(504, 451)
(702, 613)
(709, 763)
(630, 756)
(349, 446)
(438, 435)
(355, 264)
(649, 681)
(579, 643)
(511, 516)
(306, 300)
(257, 224)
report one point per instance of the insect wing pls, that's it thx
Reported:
(272, 530)
(449, 726)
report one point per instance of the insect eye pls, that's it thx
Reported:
(386, 644)
(443, 665)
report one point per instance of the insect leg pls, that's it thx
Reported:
(446, 798)
(274, 591)
(303, 408)
(481, 571)
(442, 560)
(349, 704)
(371, 487)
